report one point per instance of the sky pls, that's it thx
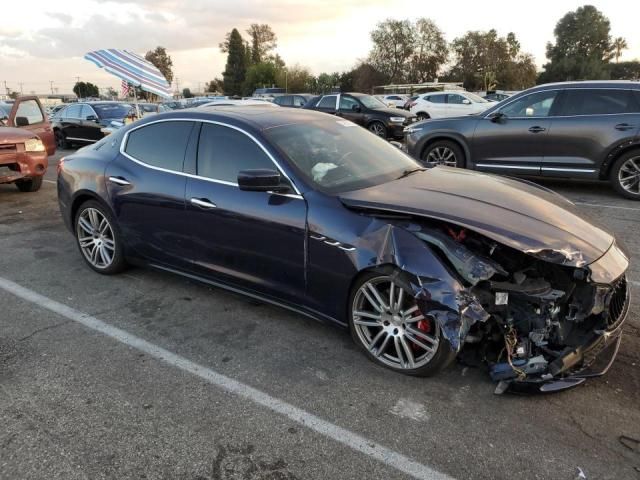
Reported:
(43, 41)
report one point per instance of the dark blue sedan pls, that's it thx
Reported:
(307, 211)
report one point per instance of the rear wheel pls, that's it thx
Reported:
(98, 238)
(378, 128)
(29, 184)
(61, 140)
(443, 152)
(423, 116)
(386, 323)
(625, 175)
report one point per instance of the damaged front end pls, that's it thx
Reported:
(542, 320)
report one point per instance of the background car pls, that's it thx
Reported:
(393, 100)
(305, 211)
(297, 100)
(83, 123)
(26, 139)
(588, 130)
(410, 102)
(448, 104)
(366, 111)
(230, 102)
(496, 96)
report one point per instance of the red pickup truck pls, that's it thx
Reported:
(26, 138)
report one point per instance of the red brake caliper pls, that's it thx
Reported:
(425, 327)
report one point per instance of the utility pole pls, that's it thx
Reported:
(21, 92)
(6, 88)
(51, 84)
(199, 90)
(178, 86)
(79, 90)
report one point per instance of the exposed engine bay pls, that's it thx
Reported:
(537, 319)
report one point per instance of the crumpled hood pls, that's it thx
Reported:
(10, 135)
(513, 212)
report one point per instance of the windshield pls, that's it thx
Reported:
(475, 98)
(112, 110)
(5, 110)
(371, 102)
(338, 156)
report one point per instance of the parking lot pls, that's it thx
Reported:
(149, 375)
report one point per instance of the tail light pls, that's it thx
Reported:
(60, 166)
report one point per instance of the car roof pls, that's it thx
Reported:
(632, 84)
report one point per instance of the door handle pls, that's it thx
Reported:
(203, 203)
(119, 181)
(537, 129)
(623, 126)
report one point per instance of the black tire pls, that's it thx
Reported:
(431, 157)
(622, 176)
(61, 140)
(443, 355)
(29, 184)
(423, 116)
(378, 128)
(118, 262)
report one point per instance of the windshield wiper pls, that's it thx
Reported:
(409, 171)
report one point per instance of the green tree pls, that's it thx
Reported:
(260, 75)
(215, 85)
(366, 76)
(393, 46)
(626, 70)
(619, 44)
(162, 61)
(111, 93)
(236, 68)
(86, 90)
(263, 41)
(582, 49)
(186, 93)
(430, 51)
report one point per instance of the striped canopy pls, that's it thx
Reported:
(132, 68)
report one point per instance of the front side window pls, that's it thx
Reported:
(161, 145)
(299, 101)
(86, 112)
(455, 99)
(285, 101)
(223, 152)
(598, 102)
(347, 103)
(435, 98)
(30, 110)
(535, 105)
(328, 101)
(371, 102)
(338, 156)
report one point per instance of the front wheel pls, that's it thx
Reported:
(423, 116)
(378, 129)
(443, 152)
(61, 140)
(625, 175)
(386, 323)
(98, 238)
(29, 184)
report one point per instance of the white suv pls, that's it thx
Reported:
(394, 100)
(448, 104)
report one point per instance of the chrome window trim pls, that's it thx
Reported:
(577, 170)
(566, 116)
(125, 137)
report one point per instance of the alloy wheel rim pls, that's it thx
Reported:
(377, 129)
(442, 156)
(95, 237)
(60, 140)
(389, 324)
(629, 175)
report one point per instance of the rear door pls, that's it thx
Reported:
(435, 105)
(146, 185)
(328, 104)
(591, 122)
(70, 122)
(90, 128)
(518, 141)
(27, 113)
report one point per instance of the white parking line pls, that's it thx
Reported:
(49, 181)
(598, 205)
(352, 440)
(634, 283)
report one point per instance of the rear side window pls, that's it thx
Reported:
(435, 98)
(224, 151)
(328, 101)
(299, 101)
(73, 111)
(31, 111)
(161, 145)
(599, 102)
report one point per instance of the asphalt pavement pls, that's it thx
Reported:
(148, 375)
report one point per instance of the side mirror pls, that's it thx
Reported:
(466, 102)
(496, 117)
(260, 180)
(91, 118)
(22, 122)
(355, 108)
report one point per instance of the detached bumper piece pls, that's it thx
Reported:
(575, 365)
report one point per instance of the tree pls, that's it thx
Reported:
(14, 95)
(365, 77)
(263, 41)
(86, 90)
(392, 48)
(260, 75)
(326, 82)
(162, 61)
(236, 68)
(582, 49)
(626, 70)
(215, 85)
(296, 79)
(186, 93)
(430, 51)
(619, 44)
(111, 93)
(485, 61)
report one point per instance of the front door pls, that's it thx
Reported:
(253, 239)
(590, 124)
(351, 109)
(517, 141)
(27, 113)
(147, 185)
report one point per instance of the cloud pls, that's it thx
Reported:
(63, 17)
